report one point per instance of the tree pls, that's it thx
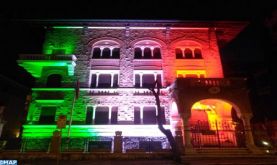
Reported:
(167, 132)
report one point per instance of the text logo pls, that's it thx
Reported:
(8, 162)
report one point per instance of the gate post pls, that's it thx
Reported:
(117, 142)
(249, 140)
(179, 140)
(188, 145)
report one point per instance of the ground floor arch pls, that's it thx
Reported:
(215, 123)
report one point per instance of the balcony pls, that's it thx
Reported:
(34, 63)
(210, 82)
(52, 95)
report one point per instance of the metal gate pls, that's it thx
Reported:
(217, 134)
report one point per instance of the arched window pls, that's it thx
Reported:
(106, 53)
(116, 53)
(157, 53)
(54, 81)
(147, 53)
(96, 52)
(197, 53)
(138, 53)
(179, 54)
(188, 49)
(109, 49)
(147, 49)
(188, 53)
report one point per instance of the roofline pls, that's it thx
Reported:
(126, 21)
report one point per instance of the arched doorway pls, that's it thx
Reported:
(54, 81)
(215, 123)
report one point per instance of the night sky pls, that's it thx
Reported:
(248, 54)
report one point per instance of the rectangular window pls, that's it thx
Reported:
(104, 81)
(136, 115)
(159, 79)
(115, 80)
(101, 115)
(47, 115)
(149, 115)
(148, 80)
(89, 115)
(137, 81)
(114, 115)
(93, 81)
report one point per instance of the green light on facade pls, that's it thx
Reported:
(35, 67)
(52, 89)
(61, 40)
(50, 101)
(32, 131)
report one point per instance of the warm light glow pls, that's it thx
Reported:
(17, 133)
(191, 73)
(265, 143)
(217, 111)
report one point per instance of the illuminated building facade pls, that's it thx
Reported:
(114, 63)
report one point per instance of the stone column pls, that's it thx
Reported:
(101, 51)
(112, 75)
(152, 52)
(142, 52)
(111, 52)
(141, 114)
(188, 145)
(249, 140)
(183, 53)
(93, 114)
(110, 114)
(140, 79)
(97, 79)
(117, 142)
(155, 76)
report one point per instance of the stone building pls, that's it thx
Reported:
(97, 73)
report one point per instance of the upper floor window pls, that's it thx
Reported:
(104, 78)
(106, 49)
(188, 50)
(188, 53)
(104, 115)
(147, 49)
(148, 115)
(146, 79)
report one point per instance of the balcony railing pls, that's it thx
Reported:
(210, 82)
